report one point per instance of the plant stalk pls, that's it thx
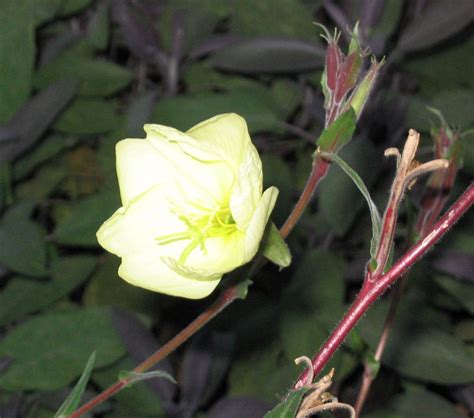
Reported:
(373, 289)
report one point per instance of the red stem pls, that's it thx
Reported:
(320, 169)
(374, 289)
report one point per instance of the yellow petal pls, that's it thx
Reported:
(136, 227)
(139, 167)
(247, 191)
(203, 182)
(224, 135)
(221, 254)
(254, 232)
(145, 270)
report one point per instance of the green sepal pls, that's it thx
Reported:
(135, 377)
(288, 407)
(242, 288)
(72, 401)
(338, 133)
(274, 248)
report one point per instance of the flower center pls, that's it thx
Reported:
(206, 223)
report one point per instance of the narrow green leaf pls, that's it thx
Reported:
(289, 406)
(338, 133)
(374, 212)
(274, 247)
(135, 377)
(72, 401)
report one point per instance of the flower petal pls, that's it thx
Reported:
(205, 183)
(247, 191)
(139, 167)
(137, 227)
(145, 270)
(256, 227)
(224, 135)
(221, 254)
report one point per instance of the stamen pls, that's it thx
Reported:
(206, 223)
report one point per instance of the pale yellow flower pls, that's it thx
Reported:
(193, 207)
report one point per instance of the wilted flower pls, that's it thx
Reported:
(193, 207)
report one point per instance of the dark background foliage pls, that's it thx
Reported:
(76, 76)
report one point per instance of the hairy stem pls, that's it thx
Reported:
(374, 289)
(434, 198)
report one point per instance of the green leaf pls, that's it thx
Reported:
(422, 403)
(374, 212)
(453, 76)
(46, 10)
(96, 77)
(17, 55)
(72, 401)
(436, 24)
(43, 183)
(338, 133)
(22, 296)
(288, 407)
(418, 348)
(340, 202)
(78, 229)
(88, 116)
(283, 18)
(47, 149)
(274, 248)
(456, 106)
(49, 351)
(72, 6)
(249, 373)
(269, 55)
(98, 28)
(301, 333)
(318, 283)
(183, 112)
(462, 292)
(134, 377)
(23, 248)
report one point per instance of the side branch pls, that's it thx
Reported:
(372, 290)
